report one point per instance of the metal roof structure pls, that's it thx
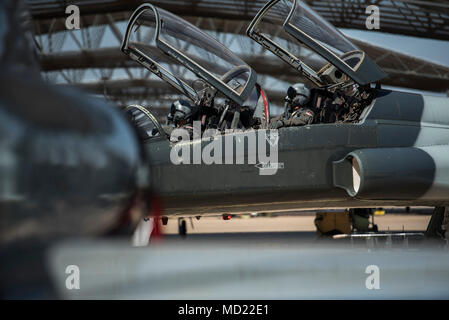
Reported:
(91, 58)
(406, 17)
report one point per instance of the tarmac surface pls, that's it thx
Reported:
(287, 226)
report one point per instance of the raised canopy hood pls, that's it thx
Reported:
(292, 18)
(152, 31)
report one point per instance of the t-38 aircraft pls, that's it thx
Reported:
(377, 148)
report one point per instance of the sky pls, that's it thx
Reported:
(429, 49)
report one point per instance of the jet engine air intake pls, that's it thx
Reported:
(394, 173)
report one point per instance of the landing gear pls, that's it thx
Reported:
(360, 218)
(446, 225)
(439, 224)
(329, 224)
(142, 234)
(182, 227)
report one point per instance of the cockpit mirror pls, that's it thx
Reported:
(147, 126)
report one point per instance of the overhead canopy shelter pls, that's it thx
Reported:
(90, 60)
(418, 18)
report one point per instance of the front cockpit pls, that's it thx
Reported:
(218, 82)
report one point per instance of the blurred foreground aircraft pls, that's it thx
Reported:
(70, 165)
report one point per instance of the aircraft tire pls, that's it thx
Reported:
(182, 228)
(445, 224)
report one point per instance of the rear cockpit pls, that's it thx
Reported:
(341, 73)
(288, 27)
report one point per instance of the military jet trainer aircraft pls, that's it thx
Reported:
(386, 148)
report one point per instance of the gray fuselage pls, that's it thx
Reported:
(402, 142)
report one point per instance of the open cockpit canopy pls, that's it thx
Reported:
(169, 46)
(289, 28)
